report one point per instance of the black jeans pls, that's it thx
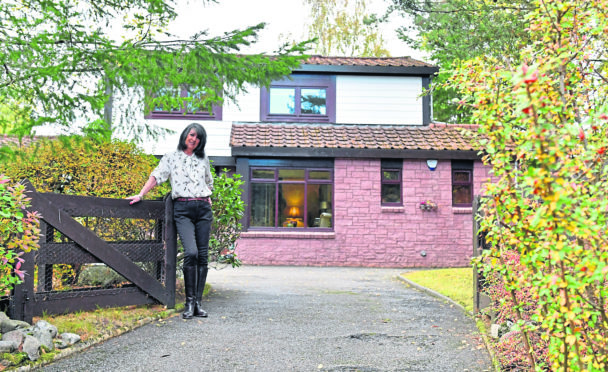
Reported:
(193, 223)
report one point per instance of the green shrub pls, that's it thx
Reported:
(76, 165)
(80, 166)
(19, 231)
(228, 209)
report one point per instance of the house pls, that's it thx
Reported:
(343, 166)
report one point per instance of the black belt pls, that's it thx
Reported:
(206, 198)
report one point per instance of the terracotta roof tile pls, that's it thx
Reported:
(386, 137)
(10, 140)
(367, 61)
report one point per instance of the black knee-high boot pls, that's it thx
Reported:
(201, 279)
(190, 289)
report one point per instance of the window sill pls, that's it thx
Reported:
(289, 234)
(181, 116)
(295, 119)
(385, 209)
(462, 210)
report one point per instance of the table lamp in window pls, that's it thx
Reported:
(294, 218)
(324, 206)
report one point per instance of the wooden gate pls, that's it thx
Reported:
(145, 267)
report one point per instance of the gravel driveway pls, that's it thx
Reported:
(299, 319)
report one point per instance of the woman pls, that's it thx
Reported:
(191, 186)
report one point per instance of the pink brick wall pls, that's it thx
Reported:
(367, 234)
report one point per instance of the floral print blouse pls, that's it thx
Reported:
(190, 176)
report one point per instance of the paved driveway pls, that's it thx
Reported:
(300, 319)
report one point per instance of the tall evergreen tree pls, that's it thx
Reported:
(62, 60)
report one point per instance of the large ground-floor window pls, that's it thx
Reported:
(290, 197)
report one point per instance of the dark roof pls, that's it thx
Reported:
(367, 61)
(264, 138)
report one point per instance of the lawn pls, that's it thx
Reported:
(455, 283)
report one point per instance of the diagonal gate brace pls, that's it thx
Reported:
(63, 222)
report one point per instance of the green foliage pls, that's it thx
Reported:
(341, 28)
(15, 358)
(83, 166)
(62, 62)
(19, 230)
(12, 115)
(102, 323)
(48, 355)
(544, 127)
(454, 31)
(507, 305)
(228, 209)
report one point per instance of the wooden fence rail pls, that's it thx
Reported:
(147, 266)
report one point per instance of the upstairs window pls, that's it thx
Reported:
(300, 98)
(391, 182)
(169, 109)
(462, 183)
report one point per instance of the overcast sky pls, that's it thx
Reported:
(283, 17)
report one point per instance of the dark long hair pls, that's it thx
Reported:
(199, 151)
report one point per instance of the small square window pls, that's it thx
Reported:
(391, 194)
(462, 184)
(263, 174)
(391, 183)
(282, 101)
(313, 101)
(319, 175)
(292, 174)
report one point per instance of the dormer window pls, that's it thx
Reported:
(303, 98)
(298, 101)
(187, 110)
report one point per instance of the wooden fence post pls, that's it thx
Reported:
(480, 299)
(171, 251)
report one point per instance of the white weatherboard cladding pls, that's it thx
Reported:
(218, 136)
(382, 100)
(218, 132)
(246, 108)
(378, 100)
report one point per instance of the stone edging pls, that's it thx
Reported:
(433, 293)
(484, 337)
(83, 346)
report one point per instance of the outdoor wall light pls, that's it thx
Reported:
(423, 253)
(432, 164)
